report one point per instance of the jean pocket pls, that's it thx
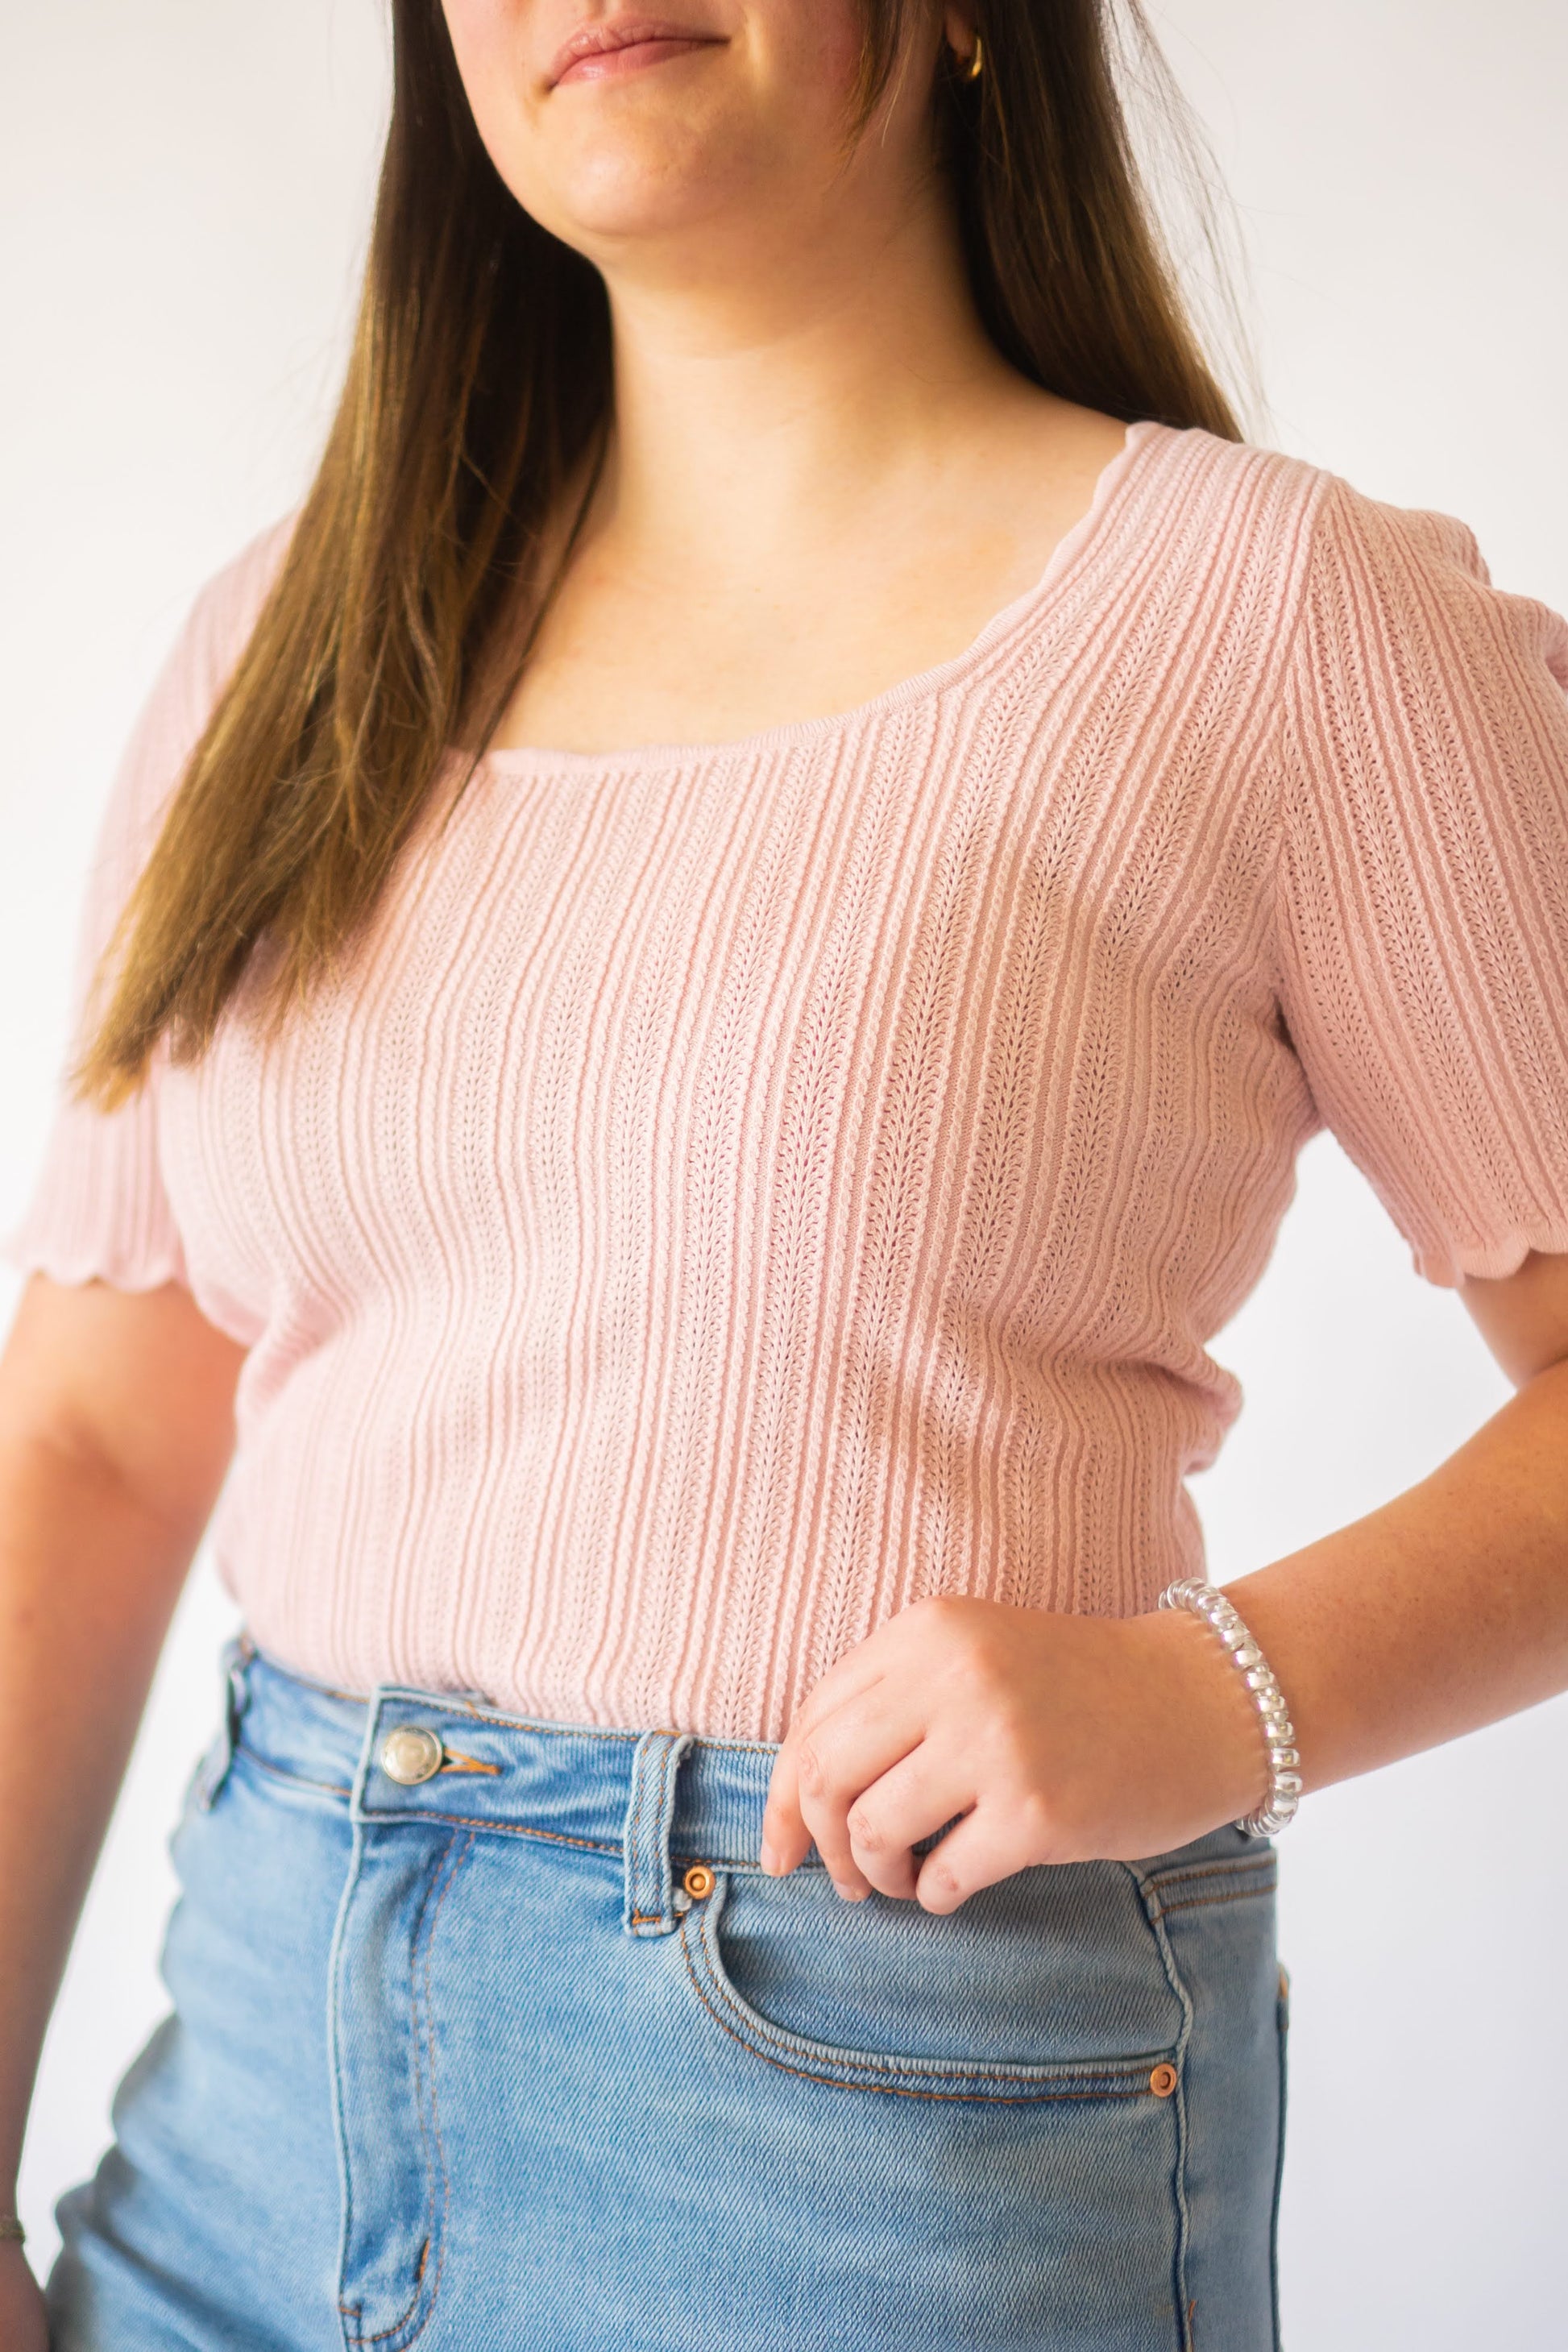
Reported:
(1053, 1984)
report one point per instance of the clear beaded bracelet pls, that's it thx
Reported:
(1207, 1602)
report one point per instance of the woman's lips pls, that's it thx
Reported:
(606, 52)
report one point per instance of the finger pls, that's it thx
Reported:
(987, 1844)
(917, 1797)
(785, 1834)
(847, 1751)
(882, 1654)
(853, 1676)
(856, 1674)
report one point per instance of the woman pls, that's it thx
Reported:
(713, 967)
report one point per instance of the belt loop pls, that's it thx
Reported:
(649, 1908)
(235, 1658)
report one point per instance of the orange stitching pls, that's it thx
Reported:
(355, 2309)
(454, 1760)
(452, 1704)
(898, 2090)
(297, 1779)
(556, 1837)
(435, 2093)
(1108, 2086)
(476, 1822)
(1207, 1902)
(1211, 1870)
(764, 2029)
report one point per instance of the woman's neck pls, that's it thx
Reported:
(822, 478)
(776, 406)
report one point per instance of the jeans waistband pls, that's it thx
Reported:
(661, 1800)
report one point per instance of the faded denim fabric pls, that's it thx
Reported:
(461, 2061)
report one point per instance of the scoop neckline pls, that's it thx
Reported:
(539, 759)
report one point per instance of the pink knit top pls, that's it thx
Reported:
(741, 1187)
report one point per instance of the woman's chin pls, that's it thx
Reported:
(618, 202)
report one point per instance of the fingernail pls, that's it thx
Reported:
(769, 1858)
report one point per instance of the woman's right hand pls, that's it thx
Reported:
(23, 2326)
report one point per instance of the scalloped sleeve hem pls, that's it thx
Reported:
(41, 1254)
(1492, 1260)
(98, 1212)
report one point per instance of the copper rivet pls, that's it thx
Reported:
(1284, 1984)
(699, 1881)
(1163, 2082)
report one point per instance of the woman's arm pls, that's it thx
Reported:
(1447, 1608)
(116, 1426)
(1063, 1738)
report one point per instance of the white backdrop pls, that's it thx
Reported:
(184, 191)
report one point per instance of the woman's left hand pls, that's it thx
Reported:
(1057, 1738)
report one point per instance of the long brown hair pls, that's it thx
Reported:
(478, 393)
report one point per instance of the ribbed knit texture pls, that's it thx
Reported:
(741, 1188)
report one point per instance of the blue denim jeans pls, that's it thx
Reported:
(513, 2048)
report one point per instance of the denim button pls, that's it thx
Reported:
(410, 1754)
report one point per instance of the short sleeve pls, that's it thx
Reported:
(100, 1208)
(1422, 905)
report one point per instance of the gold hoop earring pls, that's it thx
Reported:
(976, 61)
